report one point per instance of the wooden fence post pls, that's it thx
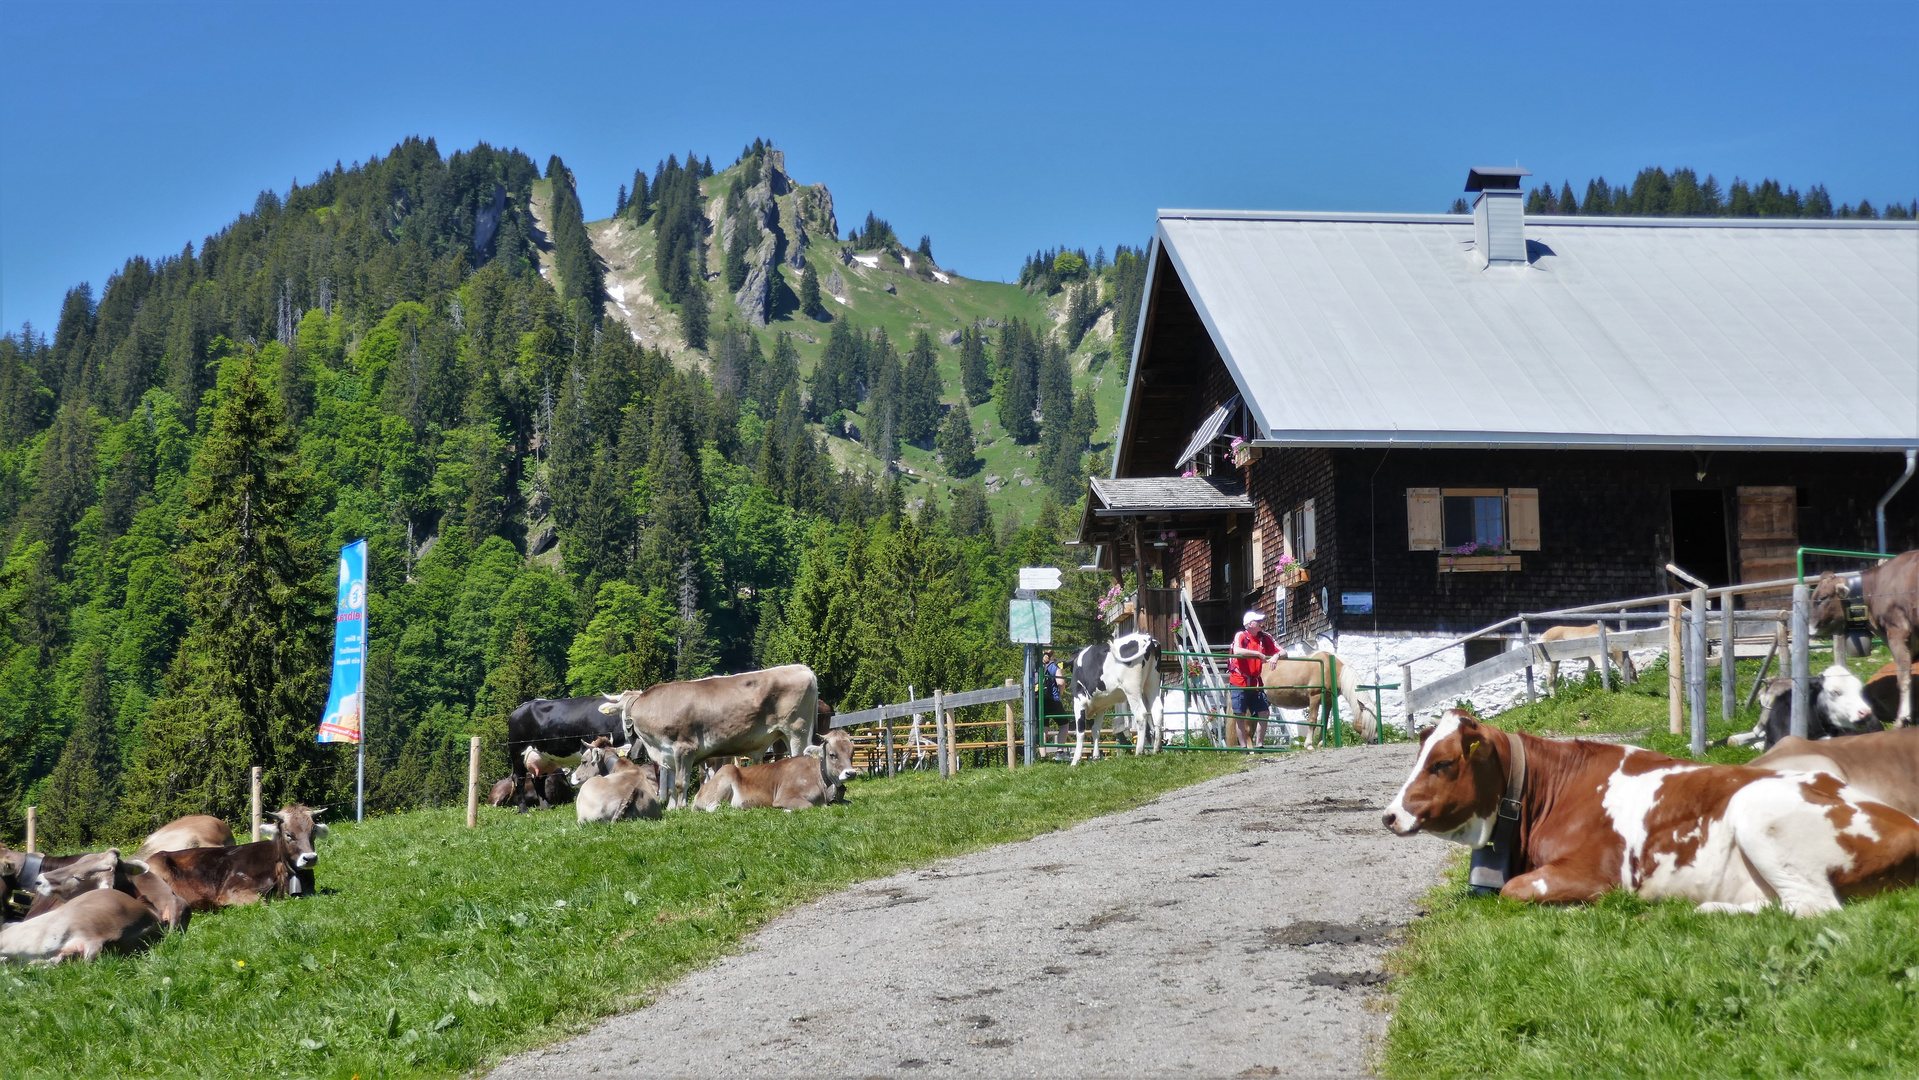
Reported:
(939, 734)
(256, 804)
(1009, 727)
(1675, 719)
(33, 829)
(1696, 677)
(473, 783)
(1406, 696)
(1526, 643)
(892, 763)
(1605, 658)
(1728, 659)
(1801, 658)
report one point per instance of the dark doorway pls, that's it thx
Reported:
(1699, 536)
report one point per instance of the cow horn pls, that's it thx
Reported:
(614, 697)
(139, 865)
(316, 811)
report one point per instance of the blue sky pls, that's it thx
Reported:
(134, 128)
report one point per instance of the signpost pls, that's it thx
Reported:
(1029, 622)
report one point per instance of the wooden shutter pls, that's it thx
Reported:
(1522, 518)
(1308, 534)
(1768, 533)
(1425, 519)
(1286, 535)
(1259, 556)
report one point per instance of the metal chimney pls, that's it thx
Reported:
(1499, 218)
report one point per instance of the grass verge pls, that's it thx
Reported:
(432, 949)
(1498, 988)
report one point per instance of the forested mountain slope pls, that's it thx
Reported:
(587, 456)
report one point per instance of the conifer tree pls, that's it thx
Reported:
(244, 687)
(926, 248)
(971, 516)
(920, 392)
(619, 201)
(76, 805)
(956, 443)
(810, 304)
(693, 315)
(976, 378)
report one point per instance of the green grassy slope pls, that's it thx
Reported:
(918, 304)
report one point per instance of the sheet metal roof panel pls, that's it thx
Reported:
(1729, 333)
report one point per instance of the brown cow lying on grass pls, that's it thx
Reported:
(814, 778)
(63, 877)
(208, 878)
(101, 920)
(192, 831)
(1590, 817)
(1890, 594)
(612, 787)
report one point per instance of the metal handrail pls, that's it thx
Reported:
(1800, 558)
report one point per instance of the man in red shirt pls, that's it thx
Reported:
(1251, 646)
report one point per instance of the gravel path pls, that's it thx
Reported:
(1230, 929)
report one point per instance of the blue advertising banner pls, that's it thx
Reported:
(346, 701)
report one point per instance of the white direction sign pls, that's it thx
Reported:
(1039, 577)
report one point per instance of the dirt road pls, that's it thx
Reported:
(1232, 929)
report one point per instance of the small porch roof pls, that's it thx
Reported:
(1161, 508)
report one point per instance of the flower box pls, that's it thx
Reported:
(1478, 564)
(1245, 454)
(1292, 577)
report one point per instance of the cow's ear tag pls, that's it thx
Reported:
(1471, 745)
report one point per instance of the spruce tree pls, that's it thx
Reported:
(956, 443)
(920, 392)
(926, 248)
(244, 687)
(976, 378)
(971, 516)
(693, 315)
(810, 304)
(76, 805)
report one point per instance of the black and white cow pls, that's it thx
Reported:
(547, 726)
(1124, 669)
(1839, 707)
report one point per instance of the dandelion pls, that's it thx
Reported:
(238, 964)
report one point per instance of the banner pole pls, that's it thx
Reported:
(366, 655)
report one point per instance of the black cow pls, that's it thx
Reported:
(554, 726)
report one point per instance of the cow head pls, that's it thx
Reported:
(1842, 698)
(1455, 786)
(84, 873)
(836, 757)
(293, 826)
(596, 759)
(1829, 599)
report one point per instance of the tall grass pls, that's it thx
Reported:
(432, 948)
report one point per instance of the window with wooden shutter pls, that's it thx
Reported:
(1522, 518)
(1425, 519)
(1286, 546)
(1309, 537)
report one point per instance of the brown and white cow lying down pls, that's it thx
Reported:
(1596, 816)
(612, 787)
(812, 779)
(1882, 765)
(208, 878)
(192, 831)
(683, 723)
(81, 928)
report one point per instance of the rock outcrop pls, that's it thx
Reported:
(835, 284)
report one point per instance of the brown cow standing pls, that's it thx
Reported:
(1591, 817)
(1621, 658)
(1890, 592)
(683, 723)
(814, 778)
(208, 878)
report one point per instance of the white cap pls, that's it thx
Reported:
(1252, 617)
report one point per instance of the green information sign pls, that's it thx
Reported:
(1030, 622)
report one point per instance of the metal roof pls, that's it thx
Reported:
(1381, 329)
(1148, 494)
